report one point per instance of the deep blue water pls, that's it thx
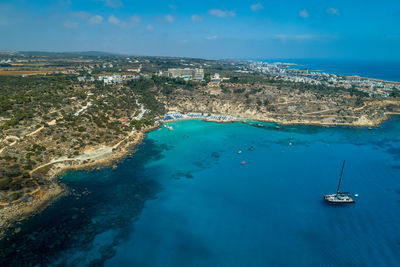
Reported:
(384, 70)
(185, 199)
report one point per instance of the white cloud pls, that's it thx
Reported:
(135, 21)
(70, 24)
(81, 14)
(303, 37)
(304, 13)
(114, 20)
(172, 6)
(97, 19)
(149, 28)
(256, 7)
(222, 13)
(333, 11)
(296, 37)
(132, 21)
(169, 18)
(211, 37)
(196, 17)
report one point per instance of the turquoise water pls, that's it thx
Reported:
(186, 199)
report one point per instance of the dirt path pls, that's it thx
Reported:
(293, 102)
(321, 111)
(83, 109)
(36, 131)
(53, 122)
(13, 143)
(312, 116)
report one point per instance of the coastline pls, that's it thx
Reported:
(11, 214)
(362, 122)
(107, 156)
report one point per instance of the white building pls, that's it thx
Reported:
(186, 74)
(111, 79)
(198, 75)
(216, 78)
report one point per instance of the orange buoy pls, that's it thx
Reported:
(243, 162)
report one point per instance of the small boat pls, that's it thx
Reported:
(340, 197)
(168, 127)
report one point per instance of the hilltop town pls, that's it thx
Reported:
(82, 110)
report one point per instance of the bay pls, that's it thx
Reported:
(209, 194)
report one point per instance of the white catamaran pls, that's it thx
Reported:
(339, 197)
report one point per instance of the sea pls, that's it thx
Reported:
(377, 69)
(233, 194)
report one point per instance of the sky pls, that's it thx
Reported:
(340, 29)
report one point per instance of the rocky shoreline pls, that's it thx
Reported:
(14, 213)
(361, 122)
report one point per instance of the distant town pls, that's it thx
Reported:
(115, 70)
(286, 72)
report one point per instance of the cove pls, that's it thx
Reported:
(186, 199)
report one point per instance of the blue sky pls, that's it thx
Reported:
(348, 29)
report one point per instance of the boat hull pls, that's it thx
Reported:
(339, 202)
(339, 199)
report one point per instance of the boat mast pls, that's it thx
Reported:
(340, 179)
